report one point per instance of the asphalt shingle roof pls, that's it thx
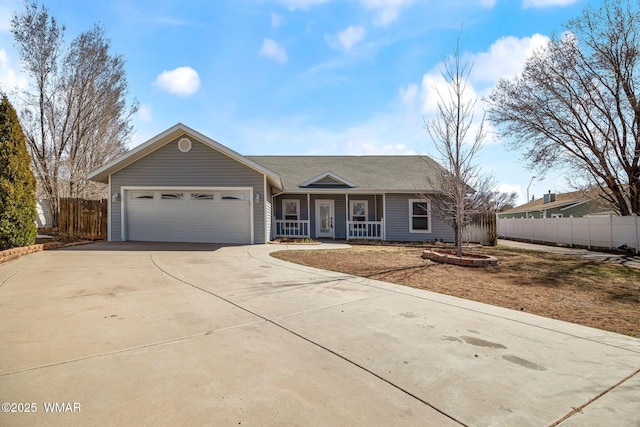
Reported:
(368, 173)
(562, 199)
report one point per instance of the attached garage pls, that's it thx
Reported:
(182, 186)
(204, 215)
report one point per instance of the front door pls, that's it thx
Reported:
(324, 218)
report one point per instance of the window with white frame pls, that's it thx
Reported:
(291, 209)
(419, 216)
(359, 210)
(557, 215)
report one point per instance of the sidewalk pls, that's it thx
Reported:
(611, 258)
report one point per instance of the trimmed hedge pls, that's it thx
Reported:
(17, 183)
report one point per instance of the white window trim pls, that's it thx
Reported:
(428, 202)
(284, 211)
(366, 209)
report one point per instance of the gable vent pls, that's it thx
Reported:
(184, 145)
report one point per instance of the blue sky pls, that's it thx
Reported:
(310, 76)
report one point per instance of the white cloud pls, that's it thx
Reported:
(408, 95)
(433, 84)
(144, 113)
(276, 20)
(390, 132)
(10, 76)
(301, 4)
(506, 57)
(183, 81)
(386, 11)
(547, 3)
(271, 49)
(489, 4)
(360, 145)
(351, 36)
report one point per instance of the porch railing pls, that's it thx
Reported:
(292, 228)
(365, 230)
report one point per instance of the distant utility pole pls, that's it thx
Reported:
(528, 186)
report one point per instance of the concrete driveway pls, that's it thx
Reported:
(159, 334)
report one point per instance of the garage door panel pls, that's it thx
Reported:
(190, 217)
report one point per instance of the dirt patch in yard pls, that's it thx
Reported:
(561, 287)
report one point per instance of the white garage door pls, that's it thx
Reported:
(188, 216)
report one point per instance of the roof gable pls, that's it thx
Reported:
(102, 174)
(328, 180)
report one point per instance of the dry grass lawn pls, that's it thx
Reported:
(563, 287)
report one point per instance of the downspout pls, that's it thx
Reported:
(109, 211)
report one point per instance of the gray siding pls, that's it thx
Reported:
(397, 222)
(201, 166)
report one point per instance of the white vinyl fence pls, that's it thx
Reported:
(594, 231)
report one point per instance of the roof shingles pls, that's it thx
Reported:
(368, 173)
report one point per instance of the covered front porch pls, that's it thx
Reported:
(330, 216)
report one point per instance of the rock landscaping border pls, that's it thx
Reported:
(466, 260)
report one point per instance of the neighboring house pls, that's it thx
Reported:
(182, 186)
(562, 205)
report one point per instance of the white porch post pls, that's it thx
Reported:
(346, 202)
(384, 216)
(308, 215)
(375, 207)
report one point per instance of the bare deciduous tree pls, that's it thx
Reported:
(486, 199)
(75, 113)
(577, 103)
(458, 145)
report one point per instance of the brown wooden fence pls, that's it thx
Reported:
(83, 218)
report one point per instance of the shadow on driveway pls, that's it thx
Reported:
(149, 247)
